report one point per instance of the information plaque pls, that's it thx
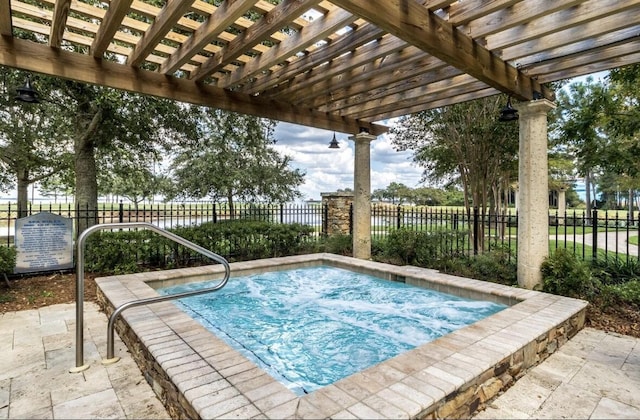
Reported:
(44, 242)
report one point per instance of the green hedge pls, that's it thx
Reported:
(237, 240)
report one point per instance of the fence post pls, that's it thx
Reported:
(351, 219)
(476, 231)
(120, 212)
(325, 219)
(281, 213)
(594, 236)
(215, 215)
(399, 217)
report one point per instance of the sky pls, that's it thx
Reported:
(328, 170)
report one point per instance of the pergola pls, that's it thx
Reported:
(342, 65)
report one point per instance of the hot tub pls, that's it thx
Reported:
(198, 375)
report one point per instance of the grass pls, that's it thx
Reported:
(633, 240)
(585, 251)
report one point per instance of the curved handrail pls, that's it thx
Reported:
(80, 285)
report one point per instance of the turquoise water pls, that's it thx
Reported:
(311, 327)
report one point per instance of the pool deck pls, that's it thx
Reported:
(594, 375)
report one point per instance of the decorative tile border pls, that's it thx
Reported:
(197, 375)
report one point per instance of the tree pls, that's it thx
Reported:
(234, 160)
(136, 184)
(34, 139)
(623, 128)
(578, 124)
(396, 191)
(428, 196)
(114, 129)
(464, 144)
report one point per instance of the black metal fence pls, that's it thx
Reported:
(602, 235)
(599, 235)
(166, 216)
(475, 230)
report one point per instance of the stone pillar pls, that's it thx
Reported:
(362, 196)
(533, 197)
(562, 204)
(338, 212)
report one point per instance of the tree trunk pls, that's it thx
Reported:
(86, 185)
(587, 190)
(85, 170)
(232, 213)
(23, 192)
(631, 206)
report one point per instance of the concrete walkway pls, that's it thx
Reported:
(595, 375)
(37, 349)
(614, 242)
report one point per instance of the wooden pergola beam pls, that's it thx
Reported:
(363, 59)
(5, 18)
(595, 55)
(591, 10)
(41, 58)
(438, 71)
(58, 22)
(164, 22)
(363, 84)
(527, 52)
(317, 30)
(256, 33)
(464, 12)
(355, 39)
(448, 100)
(118, 9)
(458, 85)
(519, 14)
(593, 67)
(416, 25)
(219, 21)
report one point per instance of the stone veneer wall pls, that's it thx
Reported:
(475, 396)
(338, 215)
(461, 403)
(173, 400)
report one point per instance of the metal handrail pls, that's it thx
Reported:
(80, 366)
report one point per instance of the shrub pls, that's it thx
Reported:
(422, 249)
(627, 292)
(115, 252)
(339, 244)
(563, 274)
(402, 244)
(239, 240)
(7, 259)
(493, 267)
(616, 271)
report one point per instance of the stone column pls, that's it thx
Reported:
(362, 196)
(533, 197)
(338, 212)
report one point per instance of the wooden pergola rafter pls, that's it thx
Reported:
(341, 65)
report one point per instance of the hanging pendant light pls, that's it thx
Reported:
(334, 143)
(27, 93)
(508, 113)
